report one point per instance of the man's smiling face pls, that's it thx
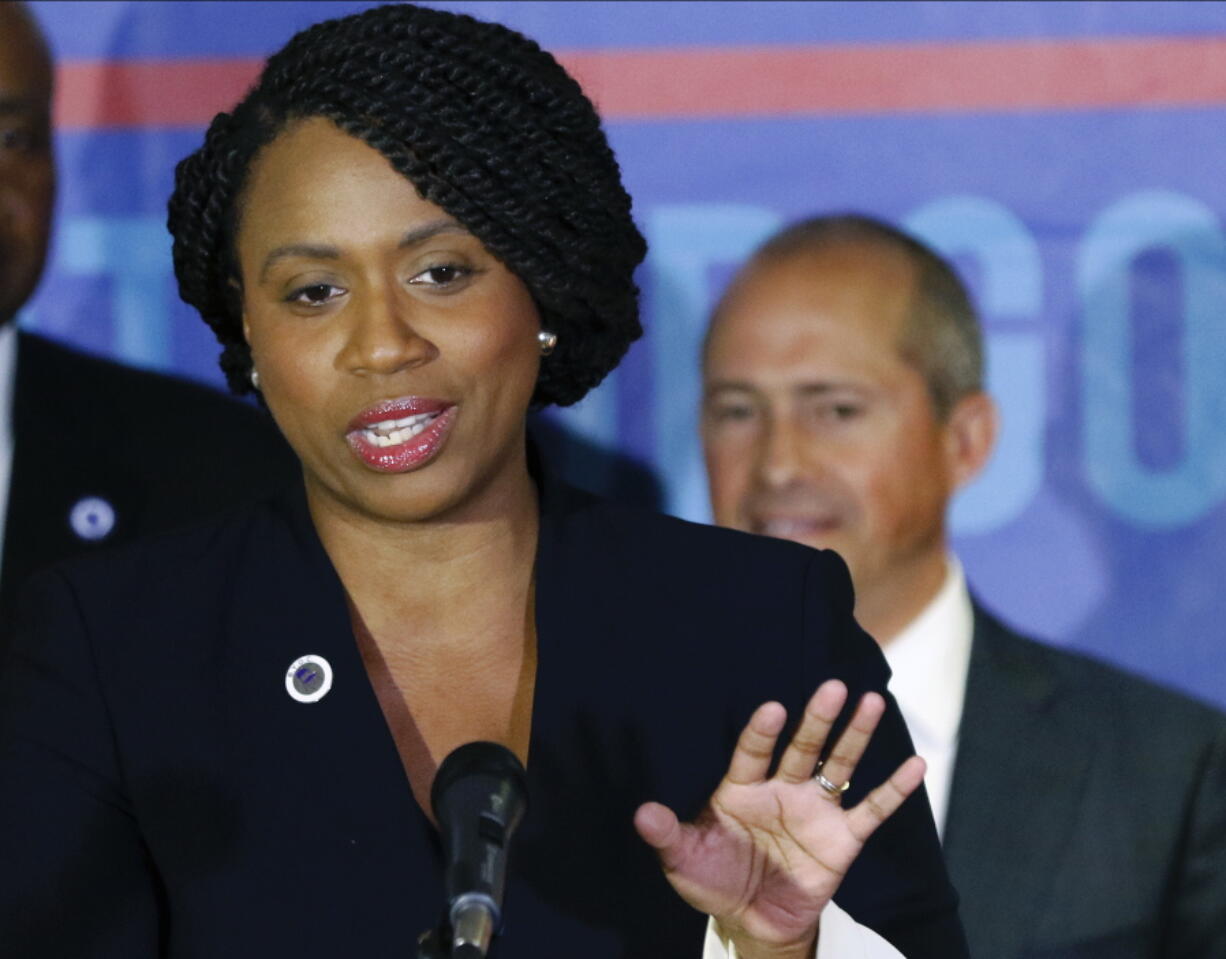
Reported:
(816, 428)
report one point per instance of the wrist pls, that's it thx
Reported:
(741, 945)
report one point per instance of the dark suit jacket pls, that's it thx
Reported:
(159, 787)
(1087, 813)
(158, 451)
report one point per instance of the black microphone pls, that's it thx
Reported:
(479, 796)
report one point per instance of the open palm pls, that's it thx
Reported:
(769, 852)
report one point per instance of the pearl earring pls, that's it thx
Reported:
(255, 378)
(547, 341)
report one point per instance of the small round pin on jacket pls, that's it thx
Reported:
(308, 678)
(92, 518)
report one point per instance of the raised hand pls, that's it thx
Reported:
(769, 852)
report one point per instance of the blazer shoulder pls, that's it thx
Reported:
(189, 564)
(739, 595)
(708, 558)
(1106, 690)
(176, 448)
(46, 368)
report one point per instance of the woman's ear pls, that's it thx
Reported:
(970, 434)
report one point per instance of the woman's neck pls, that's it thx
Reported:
(443, 617)
(442, 579)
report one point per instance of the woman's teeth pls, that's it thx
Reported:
(395, 432)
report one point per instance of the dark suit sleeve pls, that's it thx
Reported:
(1198, 891)
(74, 874)
(898, 886)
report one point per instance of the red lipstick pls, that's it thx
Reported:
(402, 434)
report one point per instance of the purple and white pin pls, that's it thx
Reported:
(308, 678)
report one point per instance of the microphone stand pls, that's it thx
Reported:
(466, 934)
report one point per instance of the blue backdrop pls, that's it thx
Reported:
(1070, 158)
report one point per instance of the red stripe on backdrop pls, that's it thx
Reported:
(1050, 75)
(118, 94)
(758, 81)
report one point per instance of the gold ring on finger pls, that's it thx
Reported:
(833, 791)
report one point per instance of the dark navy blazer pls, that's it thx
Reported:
(1087, 813)
(162, 795)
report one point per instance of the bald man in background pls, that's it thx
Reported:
(92, 453)
(1082, 810)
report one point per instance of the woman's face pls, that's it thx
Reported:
(395, 352)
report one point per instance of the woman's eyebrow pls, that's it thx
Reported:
(427, 230)
(309, 250)
(418, 234)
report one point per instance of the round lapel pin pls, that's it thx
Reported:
(92, 518)
(308, 679)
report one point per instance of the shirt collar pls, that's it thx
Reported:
(8, 370)
(930, 658)
(8, 378)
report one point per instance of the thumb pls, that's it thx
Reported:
(660, 829)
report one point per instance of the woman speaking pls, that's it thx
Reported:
(222, 742)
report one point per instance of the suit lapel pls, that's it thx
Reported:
(29, 499)
(54, 467)
(291, 605)
(1015, 781)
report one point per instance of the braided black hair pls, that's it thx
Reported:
(485, 124)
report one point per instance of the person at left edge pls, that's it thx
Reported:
(92, 453)
(411, 230)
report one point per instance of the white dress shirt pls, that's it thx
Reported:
(8, 379)
(841, 938)
(929, 660)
